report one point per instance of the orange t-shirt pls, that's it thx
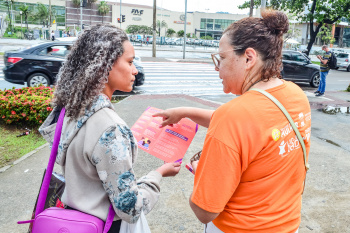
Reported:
(251, 170)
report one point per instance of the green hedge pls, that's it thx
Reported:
(348, 89)
(26, 106)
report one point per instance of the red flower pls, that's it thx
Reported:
(13, 112)
(23, 114)
(3, 117)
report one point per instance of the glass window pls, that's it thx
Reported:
(222, 24)
(57, 51)
(287, 56)
(58, 12)
(208, 22)
(343, 55)
(298, 57)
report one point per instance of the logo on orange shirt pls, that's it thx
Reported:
(276, 134)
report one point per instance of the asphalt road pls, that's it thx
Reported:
(197, 79)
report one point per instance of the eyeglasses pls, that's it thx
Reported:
(216, 57)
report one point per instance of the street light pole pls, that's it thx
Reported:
(206, 27)
(21, 24)
(120, 17)
(154, 28)
(263, 6)
(184, 49)
(81, 15)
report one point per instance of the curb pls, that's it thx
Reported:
(3, 169)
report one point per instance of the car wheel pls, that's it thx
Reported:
(38, 79)
(315, 81)
(348, 69)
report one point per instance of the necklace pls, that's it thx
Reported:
(254, 84)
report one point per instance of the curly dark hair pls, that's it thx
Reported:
(264, 35)
(86, 69)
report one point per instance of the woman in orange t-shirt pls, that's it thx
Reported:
(250, 175)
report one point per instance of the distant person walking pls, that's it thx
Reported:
(324, 69)
(52, 35)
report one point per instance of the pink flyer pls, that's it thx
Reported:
(169, 143)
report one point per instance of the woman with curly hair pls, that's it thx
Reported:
(97, 149)
(250, 175)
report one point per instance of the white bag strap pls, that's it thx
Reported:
(273, 99)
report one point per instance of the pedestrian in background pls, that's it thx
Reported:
(250, 175)
(52, 35)
(97, 149)
(324, 70)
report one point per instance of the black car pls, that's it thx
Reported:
(40, 64)
(297, 67)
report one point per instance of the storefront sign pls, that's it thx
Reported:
(136, 18)
(182, 22)
(163, 15)
(136, 12)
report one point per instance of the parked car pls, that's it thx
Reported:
(179, 41)
(39, 65)
(343, 61)
(71, 38)
(297, 67)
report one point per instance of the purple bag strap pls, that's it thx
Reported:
(46, 182)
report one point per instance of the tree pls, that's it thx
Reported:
(251, 8)
(170, 32)
(76, 3)
(180, 33)
(25, 13)
(139, 29)
(207, 38)
(145, 30)
(9, 3)
(325, 34)
(161, 25)
(132, 29)
(103, 9)
(316, 12)
(42, 14)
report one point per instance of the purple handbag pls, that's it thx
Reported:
(64, 220)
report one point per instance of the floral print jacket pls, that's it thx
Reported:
(96, 153)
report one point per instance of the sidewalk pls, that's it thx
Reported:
(20, 184)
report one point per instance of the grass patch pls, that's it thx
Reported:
(12, 147)
(116, 99)
(1, 53)
(316, 62)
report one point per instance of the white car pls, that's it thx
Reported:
(66, 39)
(343, 61)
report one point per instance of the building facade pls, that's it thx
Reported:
(198, 23)
(67, 15)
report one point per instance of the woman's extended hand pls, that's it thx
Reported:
(194, 165)
(169, 169)
(170, 116)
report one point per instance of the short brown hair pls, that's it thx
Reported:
(265, 35)
(324, 46)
